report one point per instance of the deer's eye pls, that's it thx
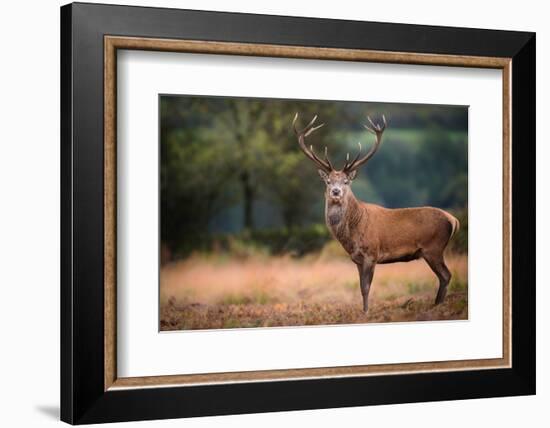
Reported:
(346, 181)
(328, 181)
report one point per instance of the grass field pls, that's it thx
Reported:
(216, 291)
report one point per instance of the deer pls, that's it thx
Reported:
(372, 234)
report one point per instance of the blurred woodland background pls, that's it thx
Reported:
(241, 205)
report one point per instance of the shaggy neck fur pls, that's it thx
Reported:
(342, 217)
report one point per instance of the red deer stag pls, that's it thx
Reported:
(372, 234)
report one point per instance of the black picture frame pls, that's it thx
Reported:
(83, 398)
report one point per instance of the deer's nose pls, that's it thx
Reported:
(335, 192)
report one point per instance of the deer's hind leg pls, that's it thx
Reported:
(437, 264)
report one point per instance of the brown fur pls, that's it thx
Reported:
(372, 234)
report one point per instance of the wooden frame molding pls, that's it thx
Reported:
(113, 43)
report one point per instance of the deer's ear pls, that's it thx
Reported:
(352, 175)
(323, 174)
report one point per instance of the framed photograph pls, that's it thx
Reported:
(266, 213)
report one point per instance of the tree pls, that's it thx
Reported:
(226, 160)
(194, 172)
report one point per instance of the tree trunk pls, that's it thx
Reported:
(289, 218)
(248, 195)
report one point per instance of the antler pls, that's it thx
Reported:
(375, 129)
(325, 164)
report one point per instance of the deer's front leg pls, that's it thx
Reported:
(366, 273)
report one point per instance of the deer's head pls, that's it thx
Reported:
(338, 182)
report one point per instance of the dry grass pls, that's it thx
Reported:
(205, 292)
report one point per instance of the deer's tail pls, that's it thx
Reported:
(455, 224)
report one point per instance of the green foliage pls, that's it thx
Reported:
(458, 284)
(287, 189)
(241, 246)
(416, 167)
(191, 193)
(295, 241)
(232, 174)
(415, 287)
(461, 305)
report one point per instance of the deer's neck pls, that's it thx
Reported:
(343, 218)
